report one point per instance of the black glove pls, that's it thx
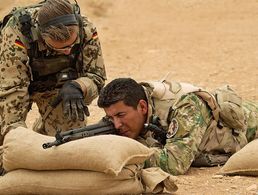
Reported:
(74, 106)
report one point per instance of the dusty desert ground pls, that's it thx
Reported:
(206, 42)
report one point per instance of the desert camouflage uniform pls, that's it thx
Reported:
(190, 122)
(16, 77)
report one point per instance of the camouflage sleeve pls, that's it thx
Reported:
(251, 115)
(93, 71)
(14, 81)
(189, 121)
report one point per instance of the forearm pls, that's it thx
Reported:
(91, 85)
(192, 117)
(175, 160)
(93, 74)
(172, 157)
(93, 65)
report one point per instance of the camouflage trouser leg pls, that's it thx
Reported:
(55, 119)
(251, 115)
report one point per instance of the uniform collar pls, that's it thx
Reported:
(151, 109)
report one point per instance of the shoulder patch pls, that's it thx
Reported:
(173, 128)
(19, 44)
(95, 35)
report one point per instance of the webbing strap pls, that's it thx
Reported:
(207, 97)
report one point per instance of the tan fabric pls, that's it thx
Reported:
(82, 85)
(89, 88)
(131, 180)
(52, 119)
(103, 153)
(1, 157)
(157, 181)
(222, 140)
(231, 109)
(1, 152)
(68, 182)
(244, 162)
(209, 98)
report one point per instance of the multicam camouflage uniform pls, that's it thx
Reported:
(17, 80)
(185, 113)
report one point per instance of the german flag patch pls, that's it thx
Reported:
(95, 35)
(19, 44)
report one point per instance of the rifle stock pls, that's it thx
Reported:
(104, 126)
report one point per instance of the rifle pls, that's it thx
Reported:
(104, 126)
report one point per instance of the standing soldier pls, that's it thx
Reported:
(184, 123)
(49, 54)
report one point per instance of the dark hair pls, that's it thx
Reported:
(121, 89)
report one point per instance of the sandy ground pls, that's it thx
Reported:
(206, 42)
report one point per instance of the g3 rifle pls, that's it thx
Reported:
(104, 126)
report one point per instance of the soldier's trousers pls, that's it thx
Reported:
(50, 120)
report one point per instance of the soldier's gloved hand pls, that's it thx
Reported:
(74, 106)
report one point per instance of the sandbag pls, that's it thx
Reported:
(103, 153)
(155, 180)
(244, 162)
(69, 182)
(131, 180)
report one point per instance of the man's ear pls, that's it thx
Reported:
(143, 105)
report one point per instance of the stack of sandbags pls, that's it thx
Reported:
(22, 181)
(243, 162)
(104, 164)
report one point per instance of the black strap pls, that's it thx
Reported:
(78, 48)
(25, 21)
(26, 24)
(68, 19)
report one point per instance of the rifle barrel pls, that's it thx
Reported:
(50, 144)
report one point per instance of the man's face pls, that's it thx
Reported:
(128, 120)
(64, 47)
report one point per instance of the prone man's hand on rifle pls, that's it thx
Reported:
(72, 96)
